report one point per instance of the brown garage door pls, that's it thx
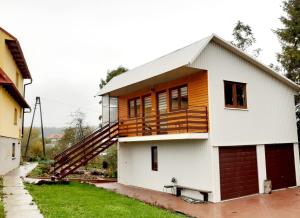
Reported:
(280, 165)
(238, 171)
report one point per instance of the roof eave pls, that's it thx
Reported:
(17, 53)
(255, 62)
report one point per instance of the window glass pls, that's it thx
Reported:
(16, 117)
(235, 94)
(154, 158)
(184, 97)
(138, 107)
(17, 79)
(162, 102)
(179, 98)
(174, 99)
(132, 108)
(147, 106)
(240, 97)
(228, 93)
(13, 150)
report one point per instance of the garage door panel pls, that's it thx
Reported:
(280, 165)
(238, 171)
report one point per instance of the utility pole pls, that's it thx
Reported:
(37, 103)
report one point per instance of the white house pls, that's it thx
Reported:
(210, 116)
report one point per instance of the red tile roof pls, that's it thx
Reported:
(10, 87)
(17, 53)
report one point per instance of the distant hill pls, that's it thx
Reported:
(50, 130)
(53, 130)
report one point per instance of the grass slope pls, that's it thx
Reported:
(82, 200)
(1, 198)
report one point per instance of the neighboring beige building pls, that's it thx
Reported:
(13, 72)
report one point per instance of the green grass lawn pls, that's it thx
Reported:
(83, 200)
(1, 198)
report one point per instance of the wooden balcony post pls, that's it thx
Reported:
(136, 126)
(206, 113)
(186, 119)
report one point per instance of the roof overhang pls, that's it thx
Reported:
(151, 82)
(177, 64)
(17, 53)
(255, 62)
(12, 89)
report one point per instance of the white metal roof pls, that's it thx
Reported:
(179, 58)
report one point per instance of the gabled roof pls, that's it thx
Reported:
(17, 53)
(179, 58)
(12, 89)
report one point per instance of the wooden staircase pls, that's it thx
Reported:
(82, 152)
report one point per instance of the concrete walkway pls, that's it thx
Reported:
(17, 201)
(280, 204)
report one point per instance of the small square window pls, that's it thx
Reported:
(235, 94)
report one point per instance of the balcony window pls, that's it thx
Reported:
(179, 98)
(134, 107)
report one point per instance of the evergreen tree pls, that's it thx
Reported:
(112, 74)
(244, 38)
(289, 37)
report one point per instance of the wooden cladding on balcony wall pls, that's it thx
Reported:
(160, 119)
(197, 93)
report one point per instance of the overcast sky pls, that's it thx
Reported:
(70, 44)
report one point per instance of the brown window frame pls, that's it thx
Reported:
(234, 95)
(135, 107)
(154, 164)
(178, 88)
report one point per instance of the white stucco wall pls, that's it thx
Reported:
(270, 117)
(261, 166)
(7, 163)
(189, 161)
(297, 163)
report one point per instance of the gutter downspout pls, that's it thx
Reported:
(24, 108)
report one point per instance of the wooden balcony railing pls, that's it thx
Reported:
(192, 120)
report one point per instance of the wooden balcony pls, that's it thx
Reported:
(192, 120)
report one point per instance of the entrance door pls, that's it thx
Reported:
(280, 165)
(147, 109)
(161, 112)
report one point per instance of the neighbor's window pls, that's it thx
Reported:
(13, 154)
(179, 98)
(154, 158)
(16, 117)
(134, 107)
(235, 94)
(17, 79)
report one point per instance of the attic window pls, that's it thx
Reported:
(235, 95)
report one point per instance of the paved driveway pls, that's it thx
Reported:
(17, 201)
(279, 204)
